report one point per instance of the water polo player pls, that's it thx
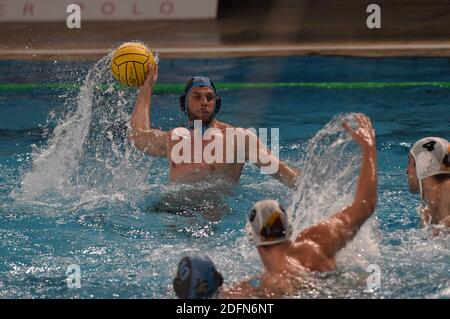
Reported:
(199, 102)
(314, 249)
(429, 174)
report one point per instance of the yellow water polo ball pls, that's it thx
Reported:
(129, 63)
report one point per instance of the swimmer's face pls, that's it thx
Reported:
(202, 102)
(413, 181)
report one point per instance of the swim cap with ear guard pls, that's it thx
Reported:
(197, 278)
(431, 155)
(198, 81)
(268, 224)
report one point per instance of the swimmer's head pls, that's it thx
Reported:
(268, 224)
(200, 100)
(429, 156)
(197, 278)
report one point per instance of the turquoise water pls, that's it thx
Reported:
(73, 191)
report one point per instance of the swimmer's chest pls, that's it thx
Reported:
(214, 153)
(197, 171)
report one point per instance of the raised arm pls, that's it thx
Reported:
(151, 141)
(333, 234)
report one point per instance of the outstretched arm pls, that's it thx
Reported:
(334, 233)
(146, 139)
(269, 163)
(286, 174)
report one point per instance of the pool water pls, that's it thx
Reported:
(74, 191)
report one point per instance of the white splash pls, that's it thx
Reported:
(327, 184)
(88, 158)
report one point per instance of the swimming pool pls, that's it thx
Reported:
(73, 191)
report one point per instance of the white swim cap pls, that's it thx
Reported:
(268, 224)
(432, 157)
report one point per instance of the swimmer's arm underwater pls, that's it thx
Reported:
(151, 141)
(242, 290)
(334, 233)
(269, 163)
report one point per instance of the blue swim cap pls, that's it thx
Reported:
(199, 81)
(197, 278)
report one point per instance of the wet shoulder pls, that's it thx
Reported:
(222, 125)
(309, 255)
(178, 132)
